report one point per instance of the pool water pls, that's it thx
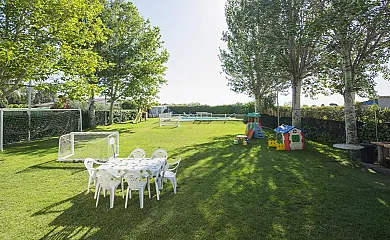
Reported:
(206, 118)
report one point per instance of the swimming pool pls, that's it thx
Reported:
(188, 119)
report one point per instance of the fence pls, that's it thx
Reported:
(331, 131)
(17, 125)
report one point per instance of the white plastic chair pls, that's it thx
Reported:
(157, 182)
(105, 182)
(160, 153)
(88, 163)
(135, 182)
(137, 153)
(170, 174)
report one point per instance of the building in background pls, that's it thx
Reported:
(381, 101)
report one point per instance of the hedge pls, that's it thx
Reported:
(238, 108)
(324, 124)
(331, 131)
(102, 117)
(49, 124)
(43, 124)
(364, 115)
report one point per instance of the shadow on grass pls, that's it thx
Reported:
(119, 127)
(240, 192)
(38, 148)
(164, 127)
(123, 130)
(54, 165)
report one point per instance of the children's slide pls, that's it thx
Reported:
(253, 130)
(138, 117)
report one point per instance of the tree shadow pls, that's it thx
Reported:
(38, 148)
(238, 192)
(165, 127)
(54, 165)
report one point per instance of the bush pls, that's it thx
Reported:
(126, 104)
(238, 108)
(326, 124)
(102, 116)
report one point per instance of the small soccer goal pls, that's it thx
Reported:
(77, 146)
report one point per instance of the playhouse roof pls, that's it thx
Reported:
(252, 114)
(286, 128)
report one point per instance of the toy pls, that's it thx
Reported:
(292, 137)
(280, 146)
(272, 143)
(242, 139)
(254, 129)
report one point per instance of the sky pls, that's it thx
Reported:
(192, 30)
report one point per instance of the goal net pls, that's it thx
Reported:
(21, 124)
(77, 146)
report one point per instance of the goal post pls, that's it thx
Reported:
(77, 146)
(23, 124)
(166, 119)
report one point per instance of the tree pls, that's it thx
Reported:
(43, 38)
(297, 48)
(248, 62)
(134, 53)
(357, 37)
(271, 37)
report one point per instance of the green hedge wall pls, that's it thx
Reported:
(238, 108)
(364, 115)
(331, 131)
(101, 116)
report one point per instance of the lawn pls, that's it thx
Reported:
(225, 191)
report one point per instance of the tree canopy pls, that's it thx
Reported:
(134, 53)
(248, 61)
(327, 46)
(271, 41)
(43, 38)
(357, 37)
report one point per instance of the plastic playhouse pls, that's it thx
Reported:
(288, 138)
(253, 127)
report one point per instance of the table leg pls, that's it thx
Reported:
(354, 156)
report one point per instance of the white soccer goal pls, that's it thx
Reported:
(22, 124)
(77, 146)
(166, 119)
(203, 114)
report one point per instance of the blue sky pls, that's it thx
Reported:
(192, 31)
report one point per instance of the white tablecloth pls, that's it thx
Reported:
(147, 166)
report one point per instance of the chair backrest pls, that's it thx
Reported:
(160, 153)
(88, 163)
(106, 180)
(133, 179)
(137, 153)
(174, 166)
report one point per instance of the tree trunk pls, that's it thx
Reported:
(91, 110)
(349, 101)
(258, 106)
(111, 119)
(296, 103)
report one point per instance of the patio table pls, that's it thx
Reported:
(348, 147)
(148, 166)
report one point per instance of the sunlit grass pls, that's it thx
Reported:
(225, 191)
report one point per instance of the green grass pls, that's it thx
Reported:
(225, 191)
